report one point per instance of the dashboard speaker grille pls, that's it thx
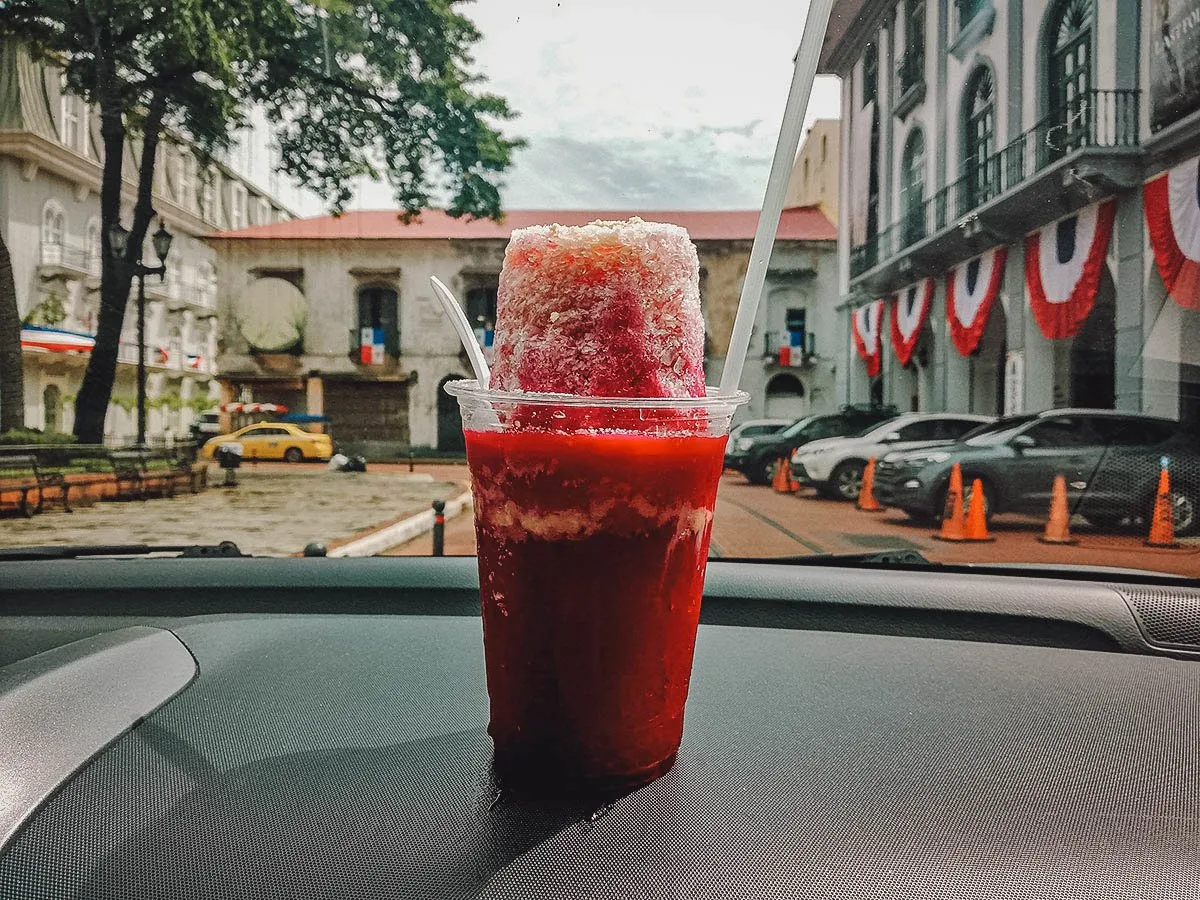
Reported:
(1169, 617)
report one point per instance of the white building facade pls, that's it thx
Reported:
(50, 173)
(1005, 159)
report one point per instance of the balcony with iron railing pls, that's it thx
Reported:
(1062, 163)
(67, 260)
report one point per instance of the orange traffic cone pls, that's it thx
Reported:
(976, 529)
(1162, 523)
(954, 525)
(1058, 528)
(866, 495)
(780, 482)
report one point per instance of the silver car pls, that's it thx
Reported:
(835, 466)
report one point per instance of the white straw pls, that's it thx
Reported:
(768, 221)
(458, 318)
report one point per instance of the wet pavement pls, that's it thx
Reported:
(275, 510)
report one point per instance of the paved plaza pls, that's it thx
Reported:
(275, 510)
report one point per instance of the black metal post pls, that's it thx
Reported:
(410, 459)
(141, 359)
(439, 527)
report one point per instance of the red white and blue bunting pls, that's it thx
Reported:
(1063, 265)
(971, 291)
(1172, 206)
(866, 327)
(910, 309)
(55, 340)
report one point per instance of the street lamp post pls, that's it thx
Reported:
(118, 240)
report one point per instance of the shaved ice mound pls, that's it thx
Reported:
(610, 309)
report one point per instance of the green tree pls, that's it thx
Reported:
(12, 373)
(377, 88)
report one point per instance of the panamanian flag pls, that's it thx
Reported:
(791, 352)
(194, 360)
(371, 346)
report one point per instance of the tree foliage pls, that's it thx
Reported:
(377, 88)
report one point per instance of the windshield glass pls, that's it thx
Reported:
(796, 427)
(998, 432)
(217, 318)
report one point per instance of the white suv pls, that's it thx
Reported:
(835, 466)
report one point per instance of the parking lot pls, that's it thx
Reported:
(755, 522)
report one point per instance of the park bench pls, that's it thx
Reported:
(21, 476)
(137, 480)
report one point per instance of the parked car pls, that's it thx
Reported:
(1111, 461)
(757, 462)
(756, 428)
(274, 440)
(834, 466)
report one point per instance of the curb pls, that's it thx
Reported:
(401, 532)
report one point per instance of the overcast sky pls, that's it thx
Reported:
(652, 104)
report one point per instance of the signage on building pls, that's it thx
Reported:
(1014, 382)
(1174, 60)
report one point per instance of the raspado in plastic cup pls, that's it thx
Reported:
(592, 519)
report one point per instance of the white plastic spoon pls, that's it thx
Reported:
(454, 311)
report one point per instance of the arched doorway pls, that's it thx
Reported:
(449, 424)
(987, 365)
(51, 409)
(785, 397)
(1093, 352)
(877, 391)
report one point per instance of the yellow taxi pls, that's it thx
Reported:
(274, 440)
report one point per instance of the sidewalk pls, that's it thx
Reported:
(459, 540)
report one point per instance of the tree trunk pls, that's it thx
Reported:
(116, 276)
(12, 372)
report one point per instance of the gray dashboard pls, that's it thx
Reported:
(850, 733)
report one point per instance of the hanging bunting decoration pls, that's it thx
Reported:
(866, 327)
(910, 309)
(1172, 202)
(1063, 265)
(55, 340)
(971, 291)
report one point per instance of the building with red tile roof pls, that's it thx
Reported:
(334, 315)
(802, 223)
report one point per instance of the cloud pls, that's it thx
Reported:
(565, 172)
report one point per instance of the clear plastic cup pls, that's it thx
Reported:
(592, 519)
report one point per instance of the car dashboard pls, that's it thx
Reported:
(270, 728)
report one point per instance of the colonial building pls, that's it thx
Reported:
(50, 169)
(1012, 238)
(335, 316)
